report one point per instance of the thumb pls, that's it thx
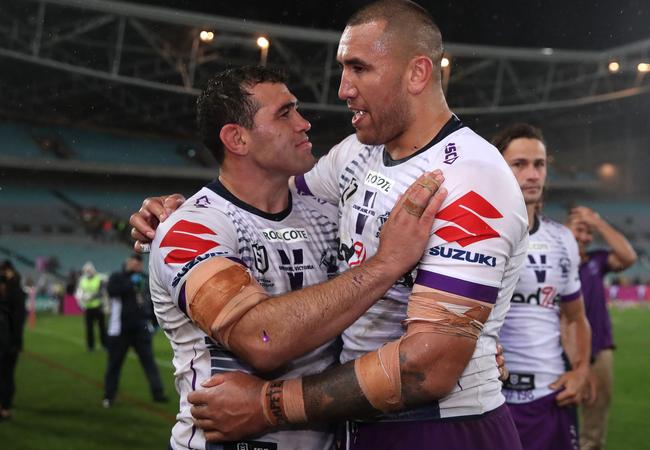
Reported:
(214, 380)
(557, 384)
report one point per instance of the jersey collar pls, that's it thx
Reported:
(452, 125)
(221, 191)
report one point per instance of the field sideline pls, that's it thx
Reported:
(58, 403)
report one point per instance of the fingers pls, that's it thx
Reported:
(172, 202)
(214, 380)
(418, 195)
(557, 384)
(141, 247)
(434, 205)
(142, 227)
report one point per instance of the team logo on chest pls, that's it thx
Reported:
(293, 264)
(538, 264)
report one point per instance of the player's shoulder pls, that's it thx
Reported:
(313, 205)
(465, 147)
(555, 228)
(199, 214)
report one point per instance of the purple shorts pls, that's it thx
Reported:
(543, 425)
(493, 430)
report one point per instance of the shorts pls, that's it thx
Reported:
(493, 430)
(542, 425)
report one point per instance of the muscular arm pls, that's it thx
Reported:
(293, 324)
(622, 255)
(281, 328)
(427, 363)
(430, 364)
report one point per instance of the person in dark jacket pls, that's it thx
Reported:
(130, 326)
(12, 324)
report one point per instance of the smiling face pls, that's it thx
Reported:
(278, 140)
(583, 234)
(372, 83)
(527, 159)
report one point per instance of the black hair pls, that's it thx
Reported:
(227, 99)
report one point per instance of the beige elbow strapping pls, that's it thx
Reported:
(379, 372)
(219, 292)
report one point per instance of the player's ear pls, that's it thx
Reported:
(234, 138)
(419, 73)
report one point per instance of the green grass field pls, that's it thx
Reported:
(58, 402)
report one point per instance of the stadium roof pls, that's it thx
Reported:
(138, 67)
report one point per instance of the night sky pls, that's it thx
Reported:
(569, 24)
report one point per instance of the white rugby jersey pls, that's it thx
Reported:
(531, 332)
(283, 251)
(476, 250)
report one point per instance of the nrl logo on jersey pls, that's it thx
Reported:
(463, 255)
(286, 235)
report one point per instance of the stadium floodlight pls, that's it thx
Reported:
(206, 36)
(607, 171)
(444, 62)
(263, 44)
(614, 66)
(643, 67)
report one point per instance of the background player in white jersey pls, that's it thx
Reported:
(444, 366)
(219, 257)
(540, 392)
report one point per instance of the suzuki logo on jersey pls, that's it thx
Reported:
(450, 153)
(463, 255)
(184, 237)
(545, 296)
(465, 213)
(378, 181)
(286, 235)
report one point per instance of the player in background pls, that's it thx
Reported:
(594, 265)
(540, 392)
(229, 266)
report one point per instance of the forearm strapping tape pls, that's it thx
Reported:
(219, 292)
(379, 372)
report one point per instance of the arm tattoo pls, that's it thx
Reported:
(335, 394)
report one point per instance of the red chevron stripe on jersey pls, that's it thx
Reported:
(183, 237)
(466, 213)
